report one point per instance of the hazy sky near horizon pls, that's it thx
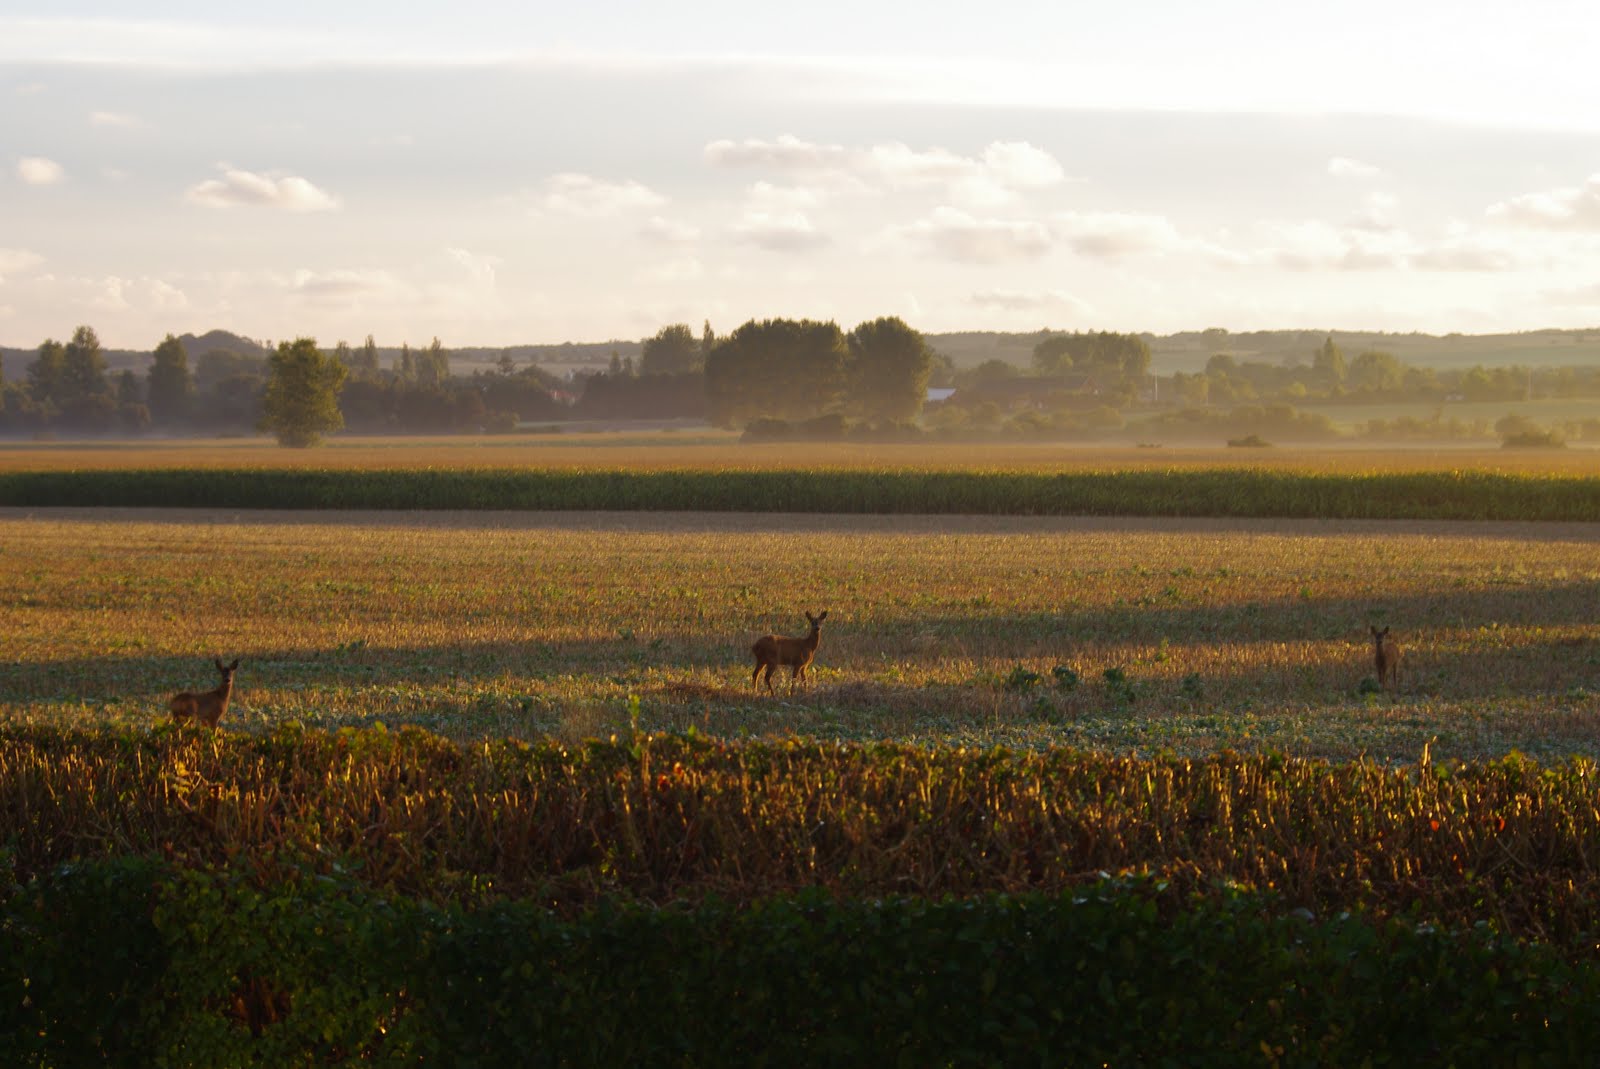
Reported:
(495, 173)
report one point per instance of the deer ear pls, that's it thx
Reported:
(234, 667)
(821, 616)
(218, 662)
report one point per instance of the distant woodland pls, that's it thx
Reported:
(779, 378)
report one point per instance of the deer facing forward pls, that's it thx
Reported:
(771, 651)
(1385, 656)
(207, 706)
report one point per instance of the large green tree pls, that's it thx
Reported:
(83, 367)
(783, 368)
(169, 388)
(302, 399)
(1376, 372)
(46, 371)
(1329, 364)
(671, 351)
(433, 365)
(365, 359)
(888, 370)
(1105, 354)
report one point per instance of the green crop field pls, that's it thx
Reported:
(1113, 634)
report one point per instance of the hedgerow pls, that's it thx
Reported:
(134, 962)
(1240, 492)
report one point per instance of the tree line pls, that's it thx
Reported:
(774, 368)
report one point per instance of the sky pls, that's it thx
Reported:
(494, 174)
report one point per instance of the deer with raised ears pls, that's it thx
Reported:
(1385, 655)
(796, 654)
(207, 706)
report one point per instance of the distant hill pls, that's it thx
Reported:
(1189, 350)
(221, 339)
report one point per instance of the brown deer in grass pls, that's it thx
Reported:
(207, 706)
(795, 653)
(1385, 656)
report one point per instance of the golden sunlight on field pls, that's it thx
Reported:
(1119, 634)
(717, 451)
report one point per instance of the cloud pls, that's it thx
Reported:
(955, 235)
(346, 287)
(786, 153)
(663, 231)
(1573, 208)
(1019, 164)
(480, 269)
(1577, 297)
(587, 197)
(237, 188)
(115, 120)
(1314, 245)
(899, 164)
(1377, 213)
(1463, 254)
(999, 300)
(14, 260)
(1109, 235)
(110, 297)
(683, 269)
(1345, 167)
(790, 232)
(38, 171)
(994, 176)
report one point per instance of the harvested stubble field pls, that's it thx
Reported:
(955, 630)
(704, 450)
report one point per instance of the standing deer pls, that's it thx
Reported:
(1385, 655)
(796, 653)
(207, 706)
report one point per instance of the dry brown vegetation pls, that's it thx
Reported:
(707, 450)
(1215, 634)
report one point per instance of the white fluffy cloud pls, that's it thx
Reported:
(587, 197)
(791, 231)
(115, 294)
(1003, 300)
(15, 260)
(956, 235)
(1465, 253)
(994, 175)
(38, 171)
(480, 269)
(347, 287)
(1378, 211)
(786, 153)
(1113, 234)
(239, 188)
(672, 232)
(1345, 167)
(1572, 208)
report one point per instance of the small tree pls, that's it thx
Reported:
(170, 387)
(302, 399)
